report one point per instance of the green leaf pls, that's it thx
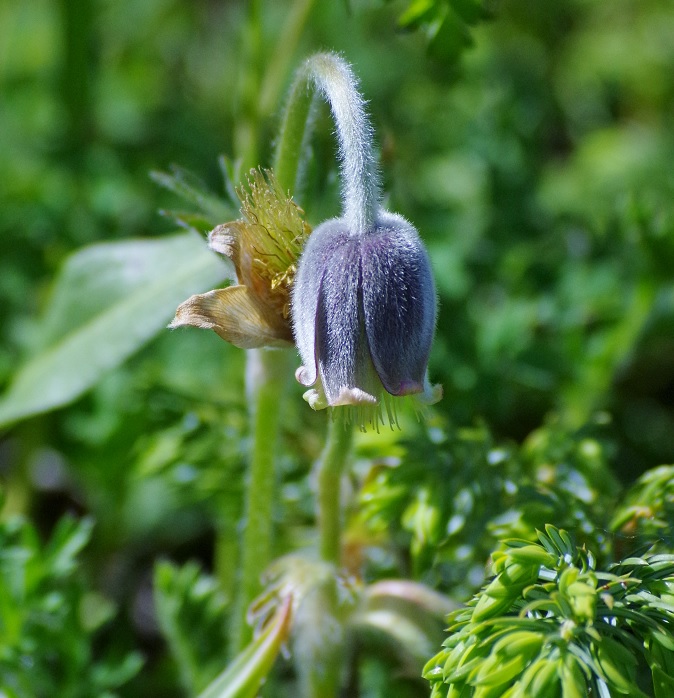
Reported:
(242, 678)
(662, 683)
(417, 12)
(191, 613)
(68, 539)
(192, 190)
(109, 300)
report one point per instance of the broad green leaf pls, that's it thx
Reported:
(109, 300)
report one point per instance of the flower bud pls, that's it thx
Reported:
(364, 311)
(364, 302)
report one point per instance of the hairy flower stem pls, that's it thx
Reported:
(330, 470)
(266, 377)
(334, 80)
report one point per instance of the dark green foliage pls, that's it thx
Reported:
(49, 617)
(454, 493)
(191, 613)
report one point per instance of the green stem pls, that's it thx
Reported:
(266, 378)
(274, 78)
(225, 554)
(319, 630)
(247, 126)
(293, 134)
(80, 56)
(330, 470)
(333, 77)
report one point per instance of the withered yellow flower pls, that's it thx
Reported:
(264, 246)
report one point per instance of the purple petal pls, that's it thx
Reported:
(399, 304)
(342, 353)
(312, 266)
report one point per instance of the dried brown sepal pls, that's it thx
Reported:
(264, 246)
(237, 316)
(266, 243)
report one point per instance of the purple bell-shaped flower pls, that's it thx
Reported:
(364, 302)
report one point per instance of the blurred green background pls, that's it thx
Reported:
(532, 144)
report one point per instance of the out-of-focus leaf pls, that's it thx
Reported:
(242, 678)
(66, 542)
(469, 10)
(109, 300)
(663, 684)
(191, 613)
(189, 188)
(406, 616)
(49, 617)
(417, 12)
(448, 37)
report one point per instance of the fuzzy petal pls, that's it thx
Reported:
(323, 245)
(399, 304)
(237, 316)
(344, 362)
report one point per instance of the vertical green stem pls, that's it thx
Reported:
(294, 128)
(274, 78)
(266, 378)
(319, 629)
(247, 126)
(330, 470)
(78, 66)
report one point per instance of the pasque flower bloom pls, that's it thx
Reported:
(363, 302)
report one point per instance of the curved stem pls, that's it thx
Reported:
(330, 470)
(335, 80)
(266, 378)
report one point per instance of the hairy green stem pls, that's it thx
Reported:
(274, 78)
(266, 377)
(330, 470)
(290, 145)
(319, 633)
(332, 77)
